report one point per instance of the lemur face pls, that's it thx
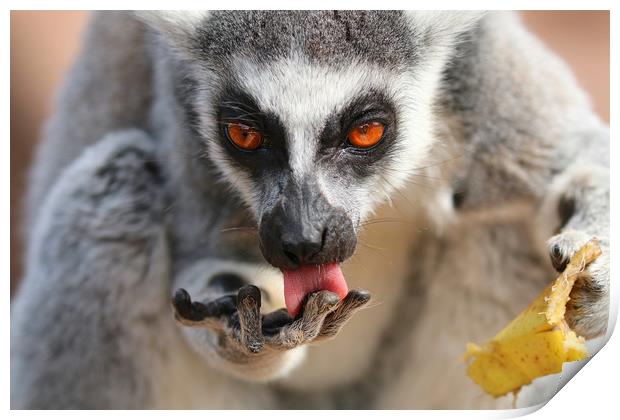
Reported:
(313, 117)
(310, 148)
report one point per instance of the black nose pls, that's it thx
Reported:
(303, 228)
(301, 249)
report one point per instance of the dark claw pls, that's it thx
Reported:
(321, 302)
(307, 326)
(558, 260)
(188, 310)
(354, 300)
(196, 311)
(359, 296)
(182, 303)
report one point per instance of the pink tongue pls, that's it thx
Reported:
(311, 278)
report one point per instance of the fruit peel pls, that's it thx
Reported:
(537, 342)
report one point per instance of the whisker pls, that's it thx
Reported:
(373, 247)
(372, 304)
(386, 220)
(451, 159)
(240, 228)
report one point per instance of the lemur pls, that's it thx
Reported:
(211, 183)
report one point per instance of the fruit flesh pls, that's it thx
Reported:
(537, 342)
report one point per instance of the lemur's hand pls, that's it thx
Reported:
(582, 202)
(241, 328)
(588, 307)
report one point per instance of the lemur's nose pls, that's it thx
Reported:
(300, 249)
(303, 228)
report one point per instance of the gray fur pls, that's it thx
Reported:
(492, 138)
(113, 275)
(330, 37)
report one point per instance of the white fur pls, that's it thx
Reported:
(303, 95)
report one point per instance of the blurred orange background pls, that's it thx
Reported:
(44, 43)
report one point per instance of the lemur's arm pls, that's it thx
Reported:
(528, 131)
(95, 295)
(108, 88)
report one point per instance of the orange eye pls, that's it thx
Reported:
(244, 137)
(366, 135)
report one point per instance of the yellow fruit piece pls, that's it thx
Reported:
(537, 342)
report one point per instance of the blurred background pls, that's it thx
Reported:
(44, 43)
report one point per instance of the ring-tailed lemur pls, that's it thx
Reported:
(239, 158)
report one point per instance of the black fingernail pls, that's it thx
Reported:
(361, 296)
(558, 260)
(182, 303)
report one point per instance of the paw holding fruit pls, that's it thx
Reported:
(538, 341)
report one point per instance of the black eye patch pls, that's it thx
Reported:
(365, 108)
(369, 106)
(236, 106)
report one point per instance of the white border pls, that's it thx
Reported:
(594, 391)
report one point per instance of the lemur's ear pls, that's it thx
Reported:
(178, 28)
(440, 28)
